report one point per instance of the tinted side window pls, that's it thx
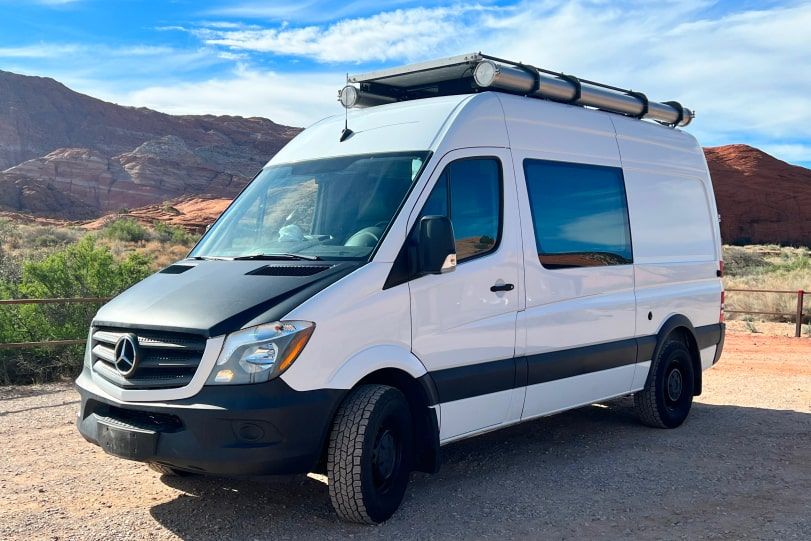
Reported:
(579, 213)
(469, 193)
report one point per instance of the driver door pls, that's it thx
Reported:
(464, 322)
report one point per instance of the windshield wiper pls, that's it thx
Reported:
(270, 257)
(206, 258)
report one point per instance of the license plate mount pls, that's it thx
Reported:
(126, 441)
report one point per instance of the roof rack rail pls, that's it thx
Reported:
(476, 72)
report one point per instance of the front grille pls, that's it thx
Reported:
(167, 360)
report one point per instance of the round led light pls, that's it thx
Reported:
(485, 73)
(348, 96)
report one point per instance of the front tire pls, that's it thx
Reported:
(370, 454)
(667, 397)
(163, 469)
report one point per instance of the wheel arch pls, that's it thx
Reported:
(679, 326)
(399, 368)
(421, 395)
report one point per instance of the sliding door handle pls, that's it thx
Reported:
(502, 287)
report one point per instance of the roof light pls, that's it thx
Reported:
(351, 96)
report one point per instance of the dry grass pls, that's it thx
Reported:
(160, 253)
(766, 267)
(30, 242)
(747, 267)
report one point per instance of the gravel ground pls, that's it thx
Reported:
(739, 468)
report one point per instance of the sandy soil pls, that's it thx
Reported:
(739, 468)
(772, 328)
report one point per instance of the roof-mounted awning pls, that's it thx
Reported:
(477, 72)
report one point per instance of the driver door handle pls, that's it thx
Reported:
(502, 287)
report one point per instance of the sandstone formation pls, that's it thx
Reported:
(67, 155)
(760, 199)
(191, 213)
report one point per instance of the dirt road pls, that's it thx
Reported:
(739, 468)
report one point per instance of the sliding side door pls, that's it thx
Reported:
(579, 320)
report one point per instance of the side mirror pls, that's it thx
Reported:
(436, 248)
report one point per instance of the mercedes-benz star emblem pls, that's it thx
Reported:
(127, 355)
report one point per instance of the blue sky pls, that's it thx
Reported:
(745, 67)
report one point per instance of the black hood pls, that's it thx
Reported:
(214, 297)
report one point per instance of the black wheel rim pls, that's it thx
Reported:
(674, 383)
(386, 458)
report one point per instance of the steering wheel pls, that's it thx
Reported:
(367, 237)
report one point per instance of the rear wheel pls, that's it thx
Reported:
(370, 454)
(667, 397)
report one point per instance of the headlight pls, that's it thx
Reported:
(260, 353)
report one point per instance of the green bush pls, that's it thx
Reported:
(172, 233)
(126, 230)
(79, 270)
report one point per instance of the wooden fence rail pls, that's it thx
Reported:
(48, 343)
(799, 314)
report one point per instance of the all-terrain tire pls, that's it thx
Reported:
(163, 469)
(668, 394)
(370, 454)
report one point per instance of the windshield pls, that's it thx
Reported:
(334, 208)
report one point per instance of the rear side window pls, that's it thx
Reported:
(469, 193)
(579, 213)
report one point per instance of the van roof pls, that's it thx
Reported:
(405, 126)
(460, 121)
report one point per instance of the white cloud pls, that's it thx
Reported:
(65, 50)
(399, 34)
(41, 50)
(291, 99)
(747, 73)
(791, 152)
(309, 11)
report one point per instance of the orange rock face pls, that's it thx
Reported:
(64, 155)
(67, 155)
(192, 213)
(760, 198)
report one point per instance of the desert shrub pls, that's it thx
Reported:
(28, 236)
(9, 266)
(126, 230)
(82, 269)
(750, 324)
(168, 208)
(740, 261)
(171, 233)
(789, 261)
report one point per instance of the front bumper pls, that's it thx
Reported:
(265, 428)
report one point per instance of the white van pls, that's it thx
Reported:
(416, 273)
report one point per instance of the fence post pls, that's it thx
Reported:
(799, 330)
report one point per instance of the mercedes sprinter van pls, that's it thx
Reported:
(451, 260)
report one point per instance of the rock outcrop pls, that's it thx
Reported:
(760, 199)
(67, 155)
